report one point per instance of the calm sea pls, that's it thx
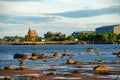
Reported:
(105, 53)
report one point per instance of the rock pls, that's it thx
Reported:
(8, 78)
(97, 49)
(90, 49)
(21, 68)
(36, 54)
(64, 54)
(92, 62)
(34, 57)
(51, 73)
(46, 60)
(78, 63)
(116, 62)
(23, 56)
(22, 61)
(70, 61)
(66, 50)
(118, 54)
(68, 54)
(9, 68)
(57, 54)
(101, 69)
(76, 72)
(99, 61)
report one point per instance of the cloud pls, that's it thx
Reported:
(22, 0)
(24, 19)
(89, 12)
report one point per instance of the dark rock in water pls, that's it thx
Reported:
(68, 54)
(70, 61)
(56, 54)
(21, 68)
(34, 57)
(46, 60)
(22, 56)
(66, 50)
(51, 73)
(116, 62)
(22, 61)
(9, 68)
(90, 49)
(114, 53)
(76, 72)
(36, 54)
(118, 54)
(8, 78)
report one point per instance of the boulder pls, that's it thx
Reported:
(9, 68)
(23, 56)
(90, 49)
(46, 60)
(56, 54)
(51, 73)
(21, 68)
(101, 69)
(70, 61)
(34, 57)
(76, 72)
(22, 61)
(68, 54)
(36, 54)
(66, 50)
(118, 54)
(78, 63)
(8, 78)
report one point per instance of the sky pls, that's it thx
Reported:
(66, 16)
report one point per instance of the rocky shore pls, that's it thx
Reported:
(99, 69)
(70, 70)
(55, 42)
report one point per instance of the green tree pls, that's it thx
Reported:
(112, 36)
(71, 38)
(105, 37)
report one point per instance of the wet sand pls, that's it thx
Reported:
(49, 76)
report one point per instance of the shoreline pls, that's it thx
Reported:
(53, 42)
(31, 74)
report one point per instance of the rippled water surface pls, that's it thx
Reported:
(105, 53)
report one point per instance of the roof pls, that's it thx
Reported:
(109, 26)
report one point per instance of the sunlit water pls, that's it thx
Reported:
(105, 54)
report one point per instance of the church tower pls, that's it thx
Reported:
(32, 35)
(29, 31)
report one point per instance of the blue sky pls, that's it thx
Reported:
(16, 16)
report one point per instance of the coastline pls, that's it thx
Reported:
(54, 42)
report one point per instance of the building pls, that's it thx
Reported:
(109, 28)
(58, 34)
(76, 33)
(32, 35)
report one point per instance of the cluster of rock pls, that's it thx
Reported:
(8, 78)
(71, 61)
(38, 55)
(10, 67)
(101, 69)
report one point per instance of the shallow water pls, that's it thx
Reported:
(105, 54)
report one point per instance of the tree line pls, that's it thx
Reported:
(89, 37)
